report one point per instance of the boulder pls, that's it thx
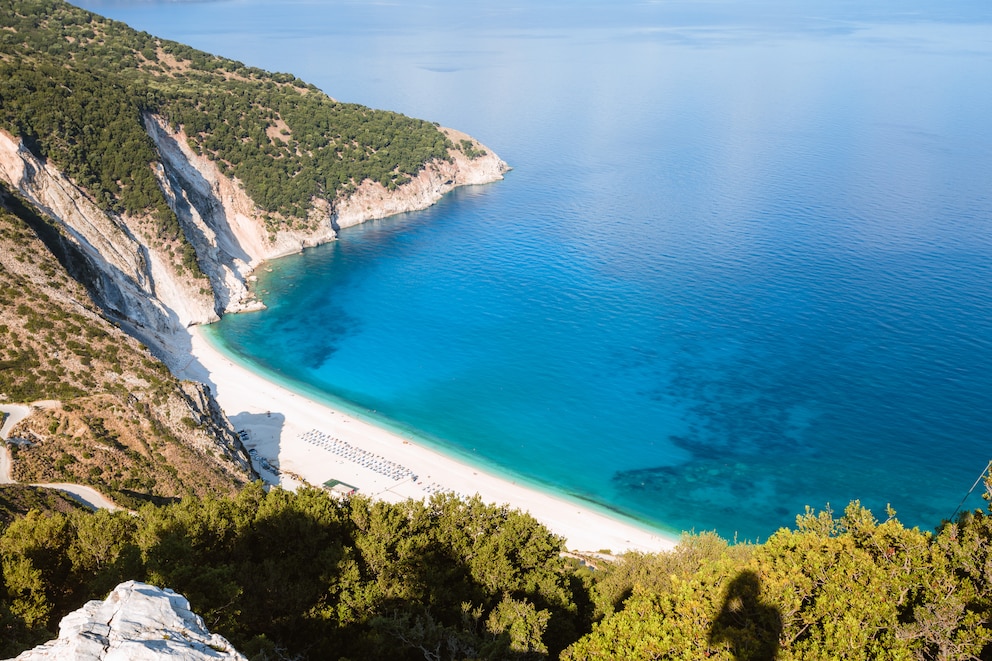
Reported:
(136, 622)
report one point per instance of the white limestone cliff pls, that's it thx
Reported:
(223, 204)
(372, 200)
(121, 271)
(136, 622)
(138, 282)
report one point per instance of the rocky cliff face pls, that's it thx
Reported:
(103, 252)
(372, 200)
(136, 622)
(235, 236)
(136, 280)
(125, 424)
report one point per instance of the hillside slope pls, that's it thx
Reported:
(141, 182)
(172, 173)
(117, 419)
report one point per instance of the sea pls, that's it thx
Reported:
(742, 265)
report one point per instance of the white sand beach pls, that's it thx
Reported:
(310, 441)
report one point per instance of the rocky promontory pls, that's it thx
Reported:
(169, 174)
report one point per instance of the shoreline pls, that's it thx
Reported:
(313, 442)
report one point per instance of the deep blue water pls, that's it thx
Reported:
(743, 263)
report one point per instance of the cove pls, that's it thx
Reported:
(741, 265)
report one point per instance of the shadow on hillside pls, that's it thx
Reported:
(134, 499)
(261, 433)
(301, 564)
(116, 293)
(750, 627)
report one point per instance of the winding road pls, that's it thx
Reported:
(87, 496)
(15, 413)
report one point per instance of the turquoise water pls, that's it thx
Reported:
(742, 264)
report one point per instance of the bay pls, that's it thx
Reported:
(741, 265)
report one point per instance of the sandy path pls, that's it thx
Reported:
(15, 413)
(83, 494)
(5, 466)
(317, 443)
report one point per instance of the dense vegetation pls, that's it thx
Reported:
(310, 575)
(303, 575)
(123, 423)
(833, 588)
(74, 86)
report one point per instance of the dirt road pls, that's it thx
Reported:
(88, 496)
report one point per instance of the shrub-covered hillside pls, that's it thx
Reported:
(121, 422)
(74, 86)
(309, 575)
(16, 500)
(305, 576)
(846, 587)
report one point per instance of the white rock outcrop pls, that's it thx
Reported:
(115, 262)
(136, 622)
